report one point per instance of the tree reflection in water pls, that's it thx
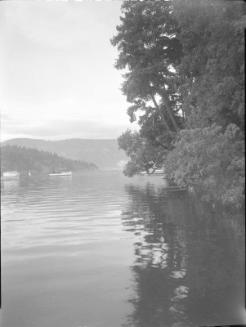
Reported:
(188, 268)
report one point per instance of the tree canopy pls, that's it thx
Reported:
(148, 51)
(183, 63)
(212, 67)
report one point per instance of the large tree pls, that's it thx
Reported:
(209, 153)
(211, 73)
(148, 54)
(184, 72)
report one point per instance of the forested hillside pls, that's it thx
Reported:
(104, 153)
(24, 159)
(184, 77)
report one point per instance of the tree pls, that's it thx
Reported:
(210, 160)
(184, 78)
(211, 73)
(210, 151)
(148, 52)
(143, 156)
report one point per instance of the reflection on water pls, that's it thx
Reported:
(188, 265)
(101, 250)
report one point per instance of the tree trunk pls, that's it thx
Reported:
(170, 114)
(164, 119)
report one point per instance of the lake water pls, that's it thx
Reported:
(102, 250)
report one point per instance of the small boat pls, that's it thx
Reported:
(7, 175)
(157, 172)
(63, 173)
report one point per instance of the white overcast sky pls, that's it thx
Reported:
(57, 74)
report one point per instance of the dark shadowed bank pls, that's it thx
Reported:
(184, 78)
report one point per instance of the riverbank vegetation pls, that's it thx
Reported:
(24, 160)
(183, 64)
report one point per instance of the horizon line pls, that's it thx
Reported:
(52, 140)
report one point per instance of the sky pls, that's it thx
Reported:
(57, 74)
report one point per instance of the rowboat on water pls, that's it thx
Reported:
(157, 172)
(63, 173)
(7, 175)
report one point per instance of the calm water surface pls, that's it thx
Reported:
(102, 250)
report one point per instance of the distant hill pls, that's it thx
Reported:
(23, 160)
(104, 153)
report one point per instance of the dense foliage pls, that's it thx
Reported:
(184, 64)
(24, 159)
(148, 50)
(144, 157)
(212, 68)
(212, 159)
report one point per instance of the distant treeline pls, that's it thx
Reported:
(23, 159)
